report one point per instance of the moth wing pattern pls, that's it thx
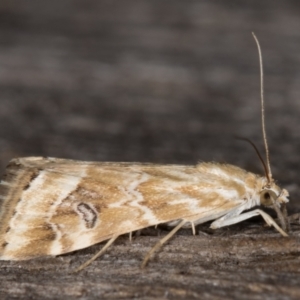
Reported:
(52, 206)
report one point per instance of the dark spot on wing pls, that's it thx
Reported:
(88, 214)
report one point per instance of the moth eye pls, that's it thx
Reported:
(265, 198)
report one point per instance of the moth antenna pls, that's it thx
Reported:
(282, 215)
(258, 154)
(269, 173)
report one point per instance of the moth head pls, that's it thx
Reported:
(273, 195)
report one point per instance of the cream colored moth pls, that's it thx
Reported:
(51, 206)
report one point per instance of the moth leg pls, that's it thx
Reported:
(99, 253)
(228, 220)
(193, 228)
(294, 217)
(285, 216)
(281, 215)
(130, 236)
(161, 242)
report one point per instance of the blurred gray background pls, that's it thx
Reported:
(156, 81)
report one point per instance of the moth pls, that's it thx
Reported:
(51, 206)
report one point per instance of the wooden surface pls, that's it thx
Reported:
(163, 82)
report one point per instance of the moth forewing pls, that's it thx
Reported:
(53, 206)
